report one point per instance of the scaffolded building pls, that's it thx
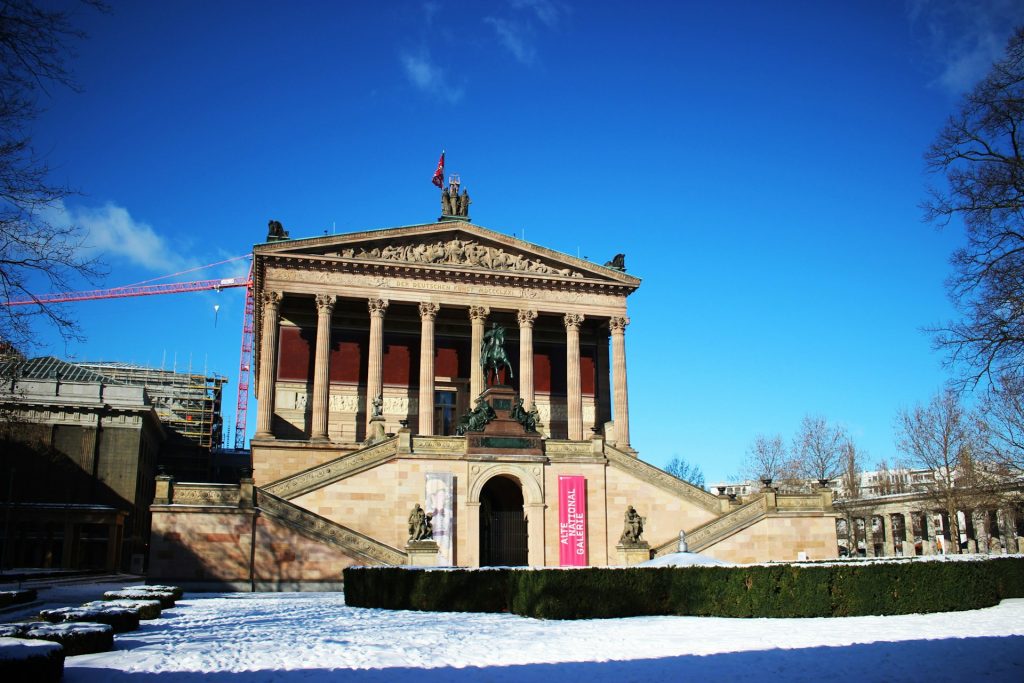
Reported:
(187, 403)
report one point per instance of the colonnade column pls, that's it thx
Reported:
(617, 325)
(574, 391)
(375, 362)
(526, 318)
(428, 311)
(321, 366)
(889, 541)
(478, 318)
(268, 365)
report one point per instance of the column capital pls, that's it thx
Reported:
(377, 307)
(272, 297)
(479, 312)
(526, 316)
(428, 311)
(325, 303)
(573, 321)
(617, 323)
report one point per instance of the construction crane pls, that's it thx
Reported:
(143, 289)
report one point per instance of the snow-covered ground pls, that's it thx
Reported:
(305, 637)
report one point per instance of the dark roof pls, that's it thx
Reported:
(48, 367)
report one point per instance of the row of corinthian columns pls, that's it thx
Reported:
(428, 313)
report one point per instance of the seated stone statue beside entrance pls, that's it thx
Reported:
(633, 527)
(420, 528)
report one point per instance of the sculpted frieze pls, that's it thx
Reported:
(457, 252)
(345, 403)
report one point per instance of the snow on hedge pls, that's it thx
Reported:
(146, 609)
(23, 648)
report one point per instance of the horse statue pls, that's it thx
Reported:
(492, 353)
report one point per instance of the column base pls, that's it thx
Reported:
(263, 436)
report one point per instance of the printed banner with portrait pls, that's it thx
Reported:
(440, 502)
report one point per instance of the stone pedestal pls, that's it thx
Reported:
(908, 549)
(503, 435)
(422, 553)
(163, 495)
(633, 553)
(375, 431)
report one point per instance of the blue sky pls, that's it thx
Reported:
(759, 163)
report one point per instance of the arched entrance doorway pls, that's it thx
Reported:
(503, 536)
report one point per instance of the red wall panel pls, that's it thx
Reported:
(295, 354)
(348, 356)
(401, 359)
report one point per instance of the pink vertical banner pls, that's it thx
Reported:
(572, 521)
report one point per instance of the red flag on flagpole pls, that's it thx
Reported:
(439, 173)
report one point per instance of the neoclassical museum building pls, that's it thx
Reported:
(372, 400)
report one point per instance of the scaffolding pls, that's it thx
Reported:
(187, 403)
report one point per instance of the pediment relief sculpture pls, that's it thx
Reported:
(458, 252)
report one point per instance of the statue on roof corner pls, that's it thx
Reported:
(276, 231)
(618, 262)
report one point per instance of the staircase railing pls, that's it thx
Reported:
(333, 470)
(351, 542)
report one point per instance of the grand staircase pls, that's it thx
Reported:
(334, 470)
(710, 533)
(349, 541)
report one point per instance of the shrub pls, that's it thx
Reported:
(121, 619)
(147, 609)
(80, 638)
(775, 590)
(177, 591)
(31, 660)
(166, 599)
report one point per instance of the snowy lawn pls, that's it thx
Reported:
(301, 637)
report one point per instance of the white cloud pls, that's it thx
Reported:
(963, 37)
(430, 78)
(515, 38)
(112, 232)
(547, 12)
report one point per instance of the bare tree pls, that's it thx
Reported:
(767, 459)
(37, 248)
(1002, 417)
(818, 449)
(681, 469)
(852, 470)
(942, 438)
(979, 152)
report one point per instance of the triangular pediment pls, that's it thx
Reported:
(452, 245)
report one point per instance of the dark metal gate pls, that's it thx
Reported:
(506, 540)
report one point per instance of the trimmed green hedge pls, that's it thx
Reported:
(842, 589)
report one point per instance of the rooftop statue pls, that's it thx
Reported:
(618, 262)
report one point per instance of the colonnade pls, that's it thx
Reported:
(899, 533)
(377, 309)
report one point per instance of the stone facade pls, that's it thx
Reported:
(395, 318)
(83, 453)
